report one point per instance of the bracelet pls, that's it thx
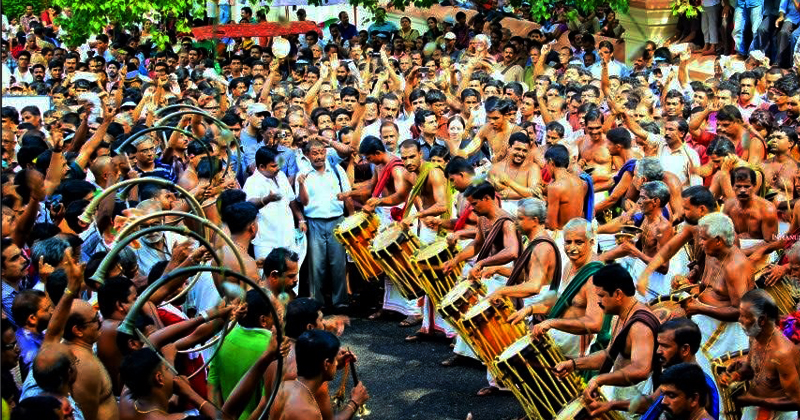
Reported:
(201, 405)
(68, 292)
(204, 314)
(574, 365)
(355, 404)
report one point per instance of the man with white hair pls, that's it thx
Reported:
(716, 309)
(773, 363)
(576, 313)
(656, 232)
(538, 268)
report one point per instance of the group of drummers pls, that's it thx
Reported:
(669, 309)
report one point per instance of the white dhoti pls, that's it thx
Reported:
(569, 344)
(392, 299)
(759, 413)
(627, 393)
(750, 243)
(606, 241)
(718, 338)
(510, 206)
(658, 284)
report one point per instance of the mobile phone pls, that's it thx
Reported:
(424, 69)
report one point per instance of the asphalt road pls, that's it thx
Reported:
(406, 381)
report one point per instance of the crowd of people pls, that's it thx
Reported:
(579, 188)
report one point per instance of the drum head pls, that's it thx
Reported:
(482, 306)
(387, 237)
(432, 250)
(352, 222)
(572, 411)
(455, 293)
(516, 349)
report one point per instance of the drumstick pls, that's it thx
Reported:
(540, 366)
(353, 369)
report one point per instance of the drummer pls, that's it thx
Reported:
(629, 360)
(539, 266)
(656, 232)
(496, 243)
(773, 363)
(678, 342)
(430, 186)
(754, 218)
(388, 187)
(697, 202)
(575, 315)
(726, 280)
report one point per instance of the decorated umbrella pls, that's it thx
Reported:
(246, 30)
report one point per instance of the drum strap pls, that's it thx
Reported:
(385, 176)
(521, 266)
(488, 241)
(618, 345)
(588, 200)
(565, 299)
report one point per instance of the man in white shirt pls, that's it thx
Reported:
(390, 107)
(22, 73)
(676, 156)
(319, 186)
(268, 186)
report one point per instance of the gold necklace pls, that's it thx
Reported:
(310, 393)
(147, 412)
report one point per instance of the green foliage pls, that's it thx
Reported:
(90, 17)
(685, 7)
(13, 9)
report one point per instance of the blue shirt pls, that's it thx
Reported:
(348, 32)
(386, 27)
(655, 410)
(791, 13)
(9, 293)
(160, 170)
(29, 345)
(749, 4)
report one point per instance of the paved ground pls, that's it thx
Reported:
(405, 380)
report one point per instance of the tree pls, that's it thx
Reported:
(92, 17)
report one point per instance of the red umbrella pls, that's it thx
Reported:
(246, 30)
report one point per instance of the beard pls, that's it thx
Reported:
(752, 331)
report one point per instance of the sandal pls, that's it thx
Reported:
(414, 338)
(455, 360)
(489, 391)
(410, 321)
(376, 315)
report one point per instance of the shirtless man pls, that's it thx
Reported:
(433, 194)
(697, 203)
(503, 248)
(317, 357)
(649, 169)
(619, 146)
(516, 176)
(433, 199)
(723, 284)
(149, 385)
(629, 359)
(496, 133)
(543, 266)
(384, 190)
(593, 150)
(395, 190)
(496, 244)
(562, 205)
(576, 315)
(773, 363)
(779, 170)
(242, 221)
(656, 232)
(302, 314)
(753, 217)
